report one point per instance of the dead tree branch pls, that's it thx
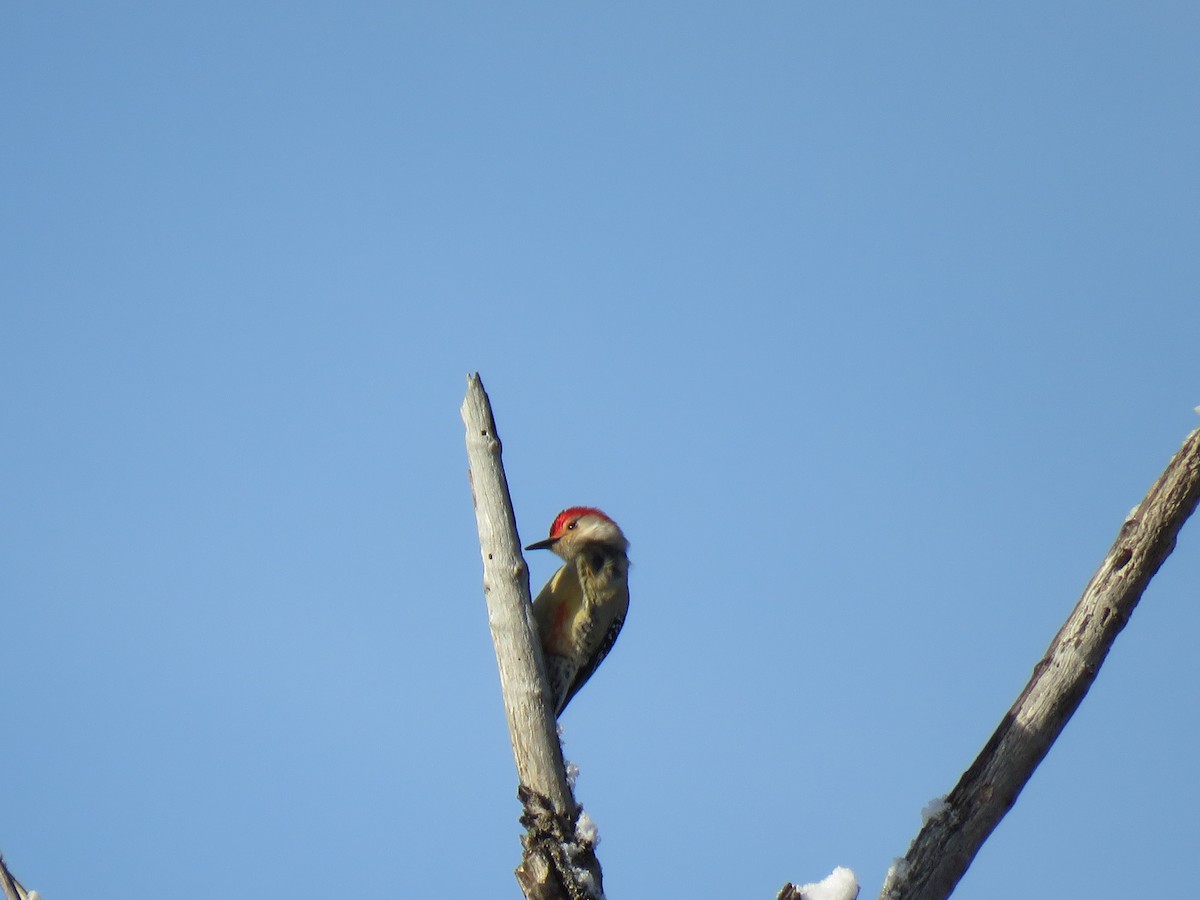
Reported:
(558, 863)
(949, 840)
(11, 887)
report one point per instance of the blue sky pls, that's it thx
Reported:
(868, 323)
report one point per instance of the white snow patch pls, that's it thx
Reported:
(588, 883)
(898, 869)
(841, 884)
(572, 773)
(586, 831)
(934, 808)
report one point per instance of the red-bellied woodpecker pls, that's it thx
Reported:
(580, 611)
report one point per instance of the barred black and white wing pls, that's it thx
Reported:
(585, 672)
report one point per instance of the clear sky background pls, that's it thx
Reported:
(868, 323)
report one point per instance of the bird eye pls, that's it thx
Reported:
(571, 525)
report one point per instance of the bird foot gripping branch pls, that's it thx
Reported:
(580, 611)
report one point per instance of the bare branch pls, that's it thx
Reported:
(557, 862)
(949, 840)
(11, 887)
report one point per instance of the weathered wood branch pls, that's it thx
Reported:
(558, 862)
(949, 840)
(11, 887)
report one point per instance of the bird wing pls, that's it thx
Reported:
(585, 672)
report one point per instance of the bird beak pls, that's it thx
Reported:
(547, 544)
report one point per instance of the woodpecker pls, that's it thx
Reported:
(580, 611)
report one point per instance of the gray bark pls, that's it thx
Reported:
(557, 863)
(11, 887)
(949, 840)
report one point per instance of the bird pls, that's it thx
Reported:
(580, 611)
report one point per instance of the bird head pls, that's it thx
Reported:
(577, 527)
